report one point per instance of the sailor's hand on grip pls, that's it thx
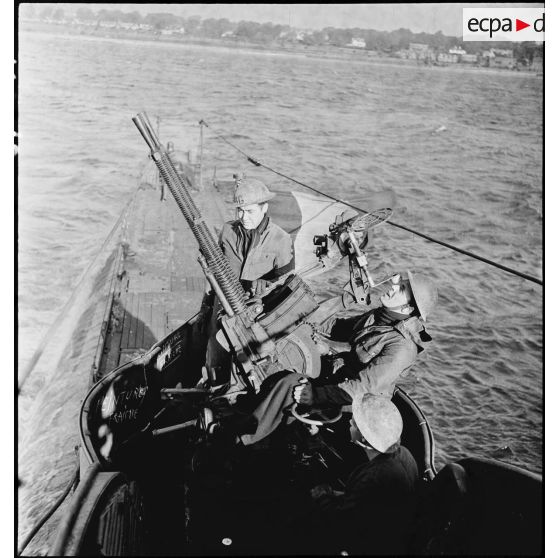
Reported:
(259, 286)
(303, 393)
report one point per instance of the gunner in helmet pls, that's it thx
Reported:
(374, 513)
(384, 344)
(260, 251)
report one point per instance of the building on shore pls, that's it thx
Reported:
(419, 51)
(498, 58)
(457, 51)
(503, 58)
(469, 58)
(357, 42)
(506, 52)
(444, 58)
(176, 30)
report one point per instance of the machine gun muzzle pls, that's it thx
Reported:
(145, 128)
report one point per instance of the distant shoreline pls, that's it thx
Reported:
(304, 51)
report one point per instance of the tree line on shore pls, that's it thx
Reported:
(270, 33)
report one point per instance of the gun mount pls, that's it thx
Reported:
(263, 338)
(348, 237)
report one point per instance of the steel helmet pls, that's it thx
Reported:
(378, 420)
(251, 190)
(424, 292)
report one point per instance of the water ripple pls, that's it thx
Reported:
(464, 157)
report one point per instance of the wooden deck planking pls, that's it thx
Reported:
(158, 316)
(148, 329)
(163, 284)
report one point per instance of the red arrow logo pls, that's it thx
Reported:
(519, 25)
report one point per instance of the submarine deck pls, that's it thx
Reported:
(159, 283)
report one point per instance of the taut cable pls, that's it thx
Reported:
(257, 163)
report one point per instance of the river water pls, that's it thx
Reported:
(461, 149)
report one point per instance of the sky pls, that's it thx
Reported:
(429, 18)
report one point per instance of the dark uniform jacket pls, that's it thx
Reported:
(379, 355)
(376, 512)
(265, 253)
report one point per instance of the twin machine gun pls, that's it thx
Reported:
(263, 337)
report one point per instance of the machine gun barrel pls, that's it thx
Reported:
(251, 332)
(218, 264)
